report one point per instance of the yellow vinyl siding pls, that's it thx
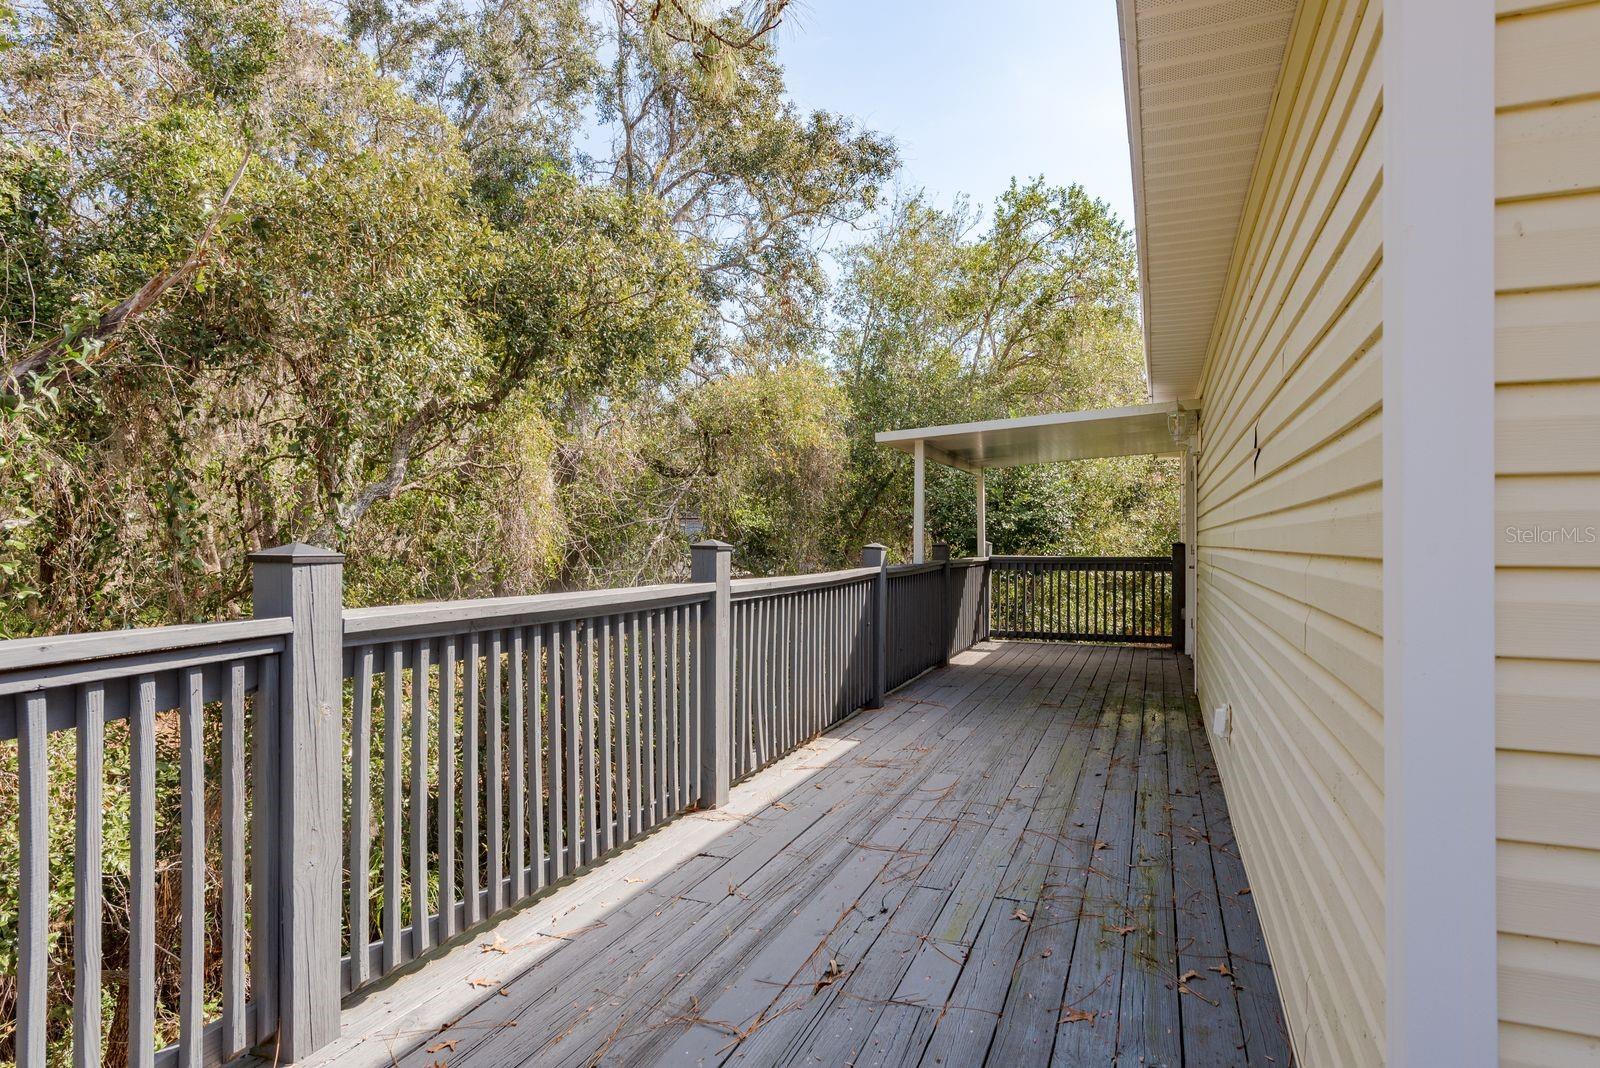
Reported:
(1290, 537)
(1547, 502)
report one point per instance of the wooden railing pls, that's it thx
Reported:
(355, 788)
(802, 660)
(498, 746)
(1088, 598)
(387, 778)
(208, 680)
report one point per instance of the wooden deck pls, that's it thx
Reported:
(1023, 858)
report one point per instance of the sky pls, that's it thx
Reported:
(974, 93)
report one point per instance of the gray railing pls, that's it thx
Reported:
(498, 746)
(802, 660)
(1089, 598)
(387, 778)
(200, 680)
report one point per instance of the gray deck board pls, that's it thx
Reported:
(1029, 835)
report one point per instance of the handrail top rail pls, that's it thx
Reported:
(30, 654)
(486, 613)
(898, 570)
(744, 588)
(1090, 561)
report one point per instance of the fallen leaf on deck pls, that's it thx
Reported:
(1101, 845)
(1047, 951)
(448, 1044)
(481, 981)
(1190, 974)
(1020, 914)
(1079, 1016)
(497, 946)
(1183, 988)
(632, 879)
(830, 975)
(1128, 930)
(1220, 969)
(780, 804)
(1245, 892)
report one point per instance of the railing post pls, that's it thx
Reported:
(1179, 594)
(877, 556)
(941, 554)
(303, 843)
(712, 561)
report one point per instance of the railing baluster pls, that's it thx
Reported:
(638, 715)
(554, 636)
(569, 726)
(471, 837)
(494, 777)
(605, 785)
(517, 736)
(234, 1038)
(33, 796)
(392, 681)
(591, 778)
(264, 873)
(673, 711)
(447, 790)
(649, 711)
(536, 756)
(142, 933)
(619, 759)
(87, 875)
(192, 947)
(421, 651)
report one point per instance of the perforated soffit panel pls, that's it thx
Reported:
(1199, 77)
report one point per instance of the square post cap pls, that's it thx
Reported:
(296, 552)
(712, 545)
(874, 555)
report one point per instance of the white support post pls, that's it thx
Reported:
(918, 497)
(1190, 533)
(982, 546)
(1438, 531)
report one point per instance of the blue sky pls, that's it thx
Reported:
(973, 92)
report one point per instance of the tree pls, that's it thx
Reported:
(694, 102)
(338, 317)
(947, 317)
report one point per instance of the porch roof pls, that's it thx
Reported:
(1136, 430)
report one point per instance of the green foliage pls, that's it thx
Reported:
(947, 318)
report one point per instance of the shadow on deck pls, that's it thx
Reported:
(1022, 858)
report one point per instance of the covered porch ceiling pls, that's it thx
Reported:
(1157, 429)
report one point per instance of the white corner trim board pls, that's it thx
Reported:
(1438, 520)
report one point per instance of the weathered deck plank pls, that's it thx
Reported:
(1031, 835)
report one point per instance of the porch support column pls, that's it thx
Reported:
(918, 501)
(1190, 532)
(1438, 531)
(982, 547)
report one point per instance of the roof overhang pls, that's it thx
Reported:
(1138, 430)
(1200, 77)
